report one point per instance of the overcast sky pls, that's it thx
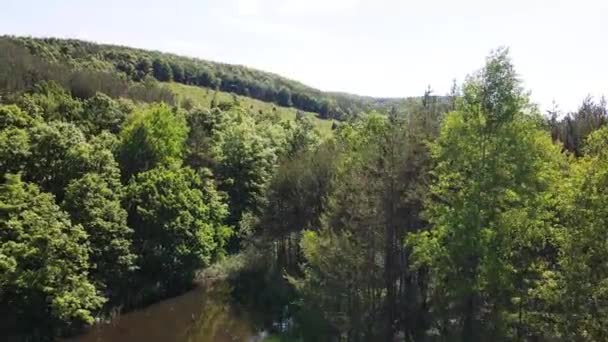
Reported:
(386, 48)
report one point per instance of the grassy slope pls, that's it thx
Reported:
(203, 96)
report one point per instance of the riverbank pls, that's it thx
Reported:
(203, 314)
(209, 312)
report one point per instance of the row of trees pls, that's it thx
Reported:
(109, 204)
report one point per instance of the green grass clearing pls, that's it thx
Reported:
(203, 96)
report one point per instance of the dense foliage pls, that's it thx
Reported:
(44, 263)
(114, 203)
(178, 226)
(468, 225)
(470, 217)
(490, 211)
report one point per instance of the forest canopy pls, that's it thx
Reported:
(469, 217)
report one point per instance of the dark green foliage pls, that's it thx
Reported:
(178, 225)
(43, 265)
(20, 70)
(25, 64)
(162, 70)
(577, 302)
(51, 101)
(58, 153)
(356, 274)
(143, 68)
(86, 83)
(14, 139)
(284, 97)
(302, 136)
(58, 268)
(202, 123)
(101, 113)
(573, 129)
(206, 78)
(297, 194)
(14, 150)
(178, 72)
(94, 201)
(149, 90)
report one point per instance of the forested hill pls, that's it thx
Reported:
(464, 218)
(130, 64)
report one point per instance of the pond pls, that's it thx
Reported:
(204, 314)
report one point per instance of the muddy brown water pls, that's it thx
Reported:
(204, 314)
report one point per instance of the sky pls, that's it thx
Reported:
(382, 48)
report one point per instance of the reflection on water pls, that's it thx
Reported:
(204, 314)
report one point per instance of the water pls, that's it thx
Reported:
(205, 314)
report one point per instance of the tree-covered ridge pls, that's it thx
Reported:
(137, 64)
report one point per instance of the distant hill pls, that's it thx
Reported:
(85, 67)
(118, 65)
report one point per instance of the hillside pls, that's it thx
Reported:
(137, 64)
(188, 95)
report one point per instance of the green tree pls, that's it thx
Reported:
(573, 129)
(302, 136)
(13, 116)
(43, 264)
(58, 153)
(51, 101)
(284, 97)
(490, 209)
(245, 158)
(162, 70)
(14, 150)
(14, 138)
(202, 123)
(207, 78)
(143, 68)
(94, 201)
(296, 200)
(178, 223)
(177, 70)
(102, 113)
(339, 287)
(580, 301)
(375, 201)
(154, 136)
